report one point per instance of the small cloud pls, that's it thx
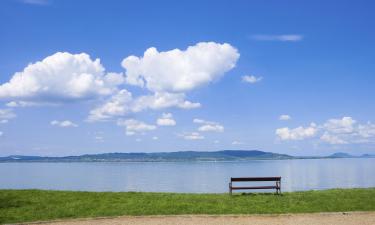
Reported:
(155, 138)
(36, 2)
(298, 133)
(133, 126)
(166, 120)
(192, 136)
(6, 114)
(65, 123)
(4, 121)
(216, 142)
(99, 139)
(237, 143)
(14, 104)
(251, 79)
(285, 117)
(283, 37)
(1, 133)
(138, 140)
(209, 126)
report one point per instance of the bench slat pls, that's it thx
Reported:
(257, 187)
(244, 179)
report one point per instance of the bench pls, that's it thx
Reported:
(277, 185)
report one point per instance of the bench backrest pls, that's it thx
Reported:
(244, 179)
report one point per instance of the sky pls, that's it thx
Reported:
(294, 77)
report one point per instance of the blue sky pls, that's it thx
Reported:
(142, 76)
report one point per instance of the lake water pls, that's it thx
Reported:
(193, 177)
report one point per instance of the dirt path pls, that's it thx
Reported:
(353, 218)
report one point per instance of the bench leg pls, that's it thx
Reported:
(278, 187)
(230, 188)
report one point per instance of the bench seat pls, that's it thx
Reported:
(277, 185)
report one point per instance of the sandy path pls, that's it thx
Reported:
(352, 218)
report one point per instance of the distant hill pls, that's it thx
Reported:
(225, 155)
(346, 155)
(341, 155)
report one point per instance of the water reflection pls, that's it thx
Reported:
(187, 176)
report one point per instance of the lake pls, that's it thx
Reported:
(192, 177)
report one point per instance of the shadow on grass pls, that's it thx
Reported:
(255, 194)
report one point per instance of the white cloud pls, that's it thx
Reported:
(251, 79)
(1, 133)
(193, 136)
(166, 120)
(334, 131)
(366, 130)
(237, 143)
(180, 70)
(123, 103)
(99, 139)
(209, 126)
(346, 130)
(133, 126)
(155, 138)
(14, 104)
(117, 105)
(4, 121)
(285, 117)
(61, 76)
(36, 2)
(6, 114)
(332, 139)
(283, 37)
(344, 125)
(65, 123)
(160, 100)
(298, 133)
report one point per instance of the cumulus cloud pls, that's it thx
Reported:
(180, 70)
(155, 138)
(133, 126)
(339, 126)
(347, 130)
(61, 76)
(166, 120)
(336, 131)
(283, 37)
(209, 126)
(298, 133)
(251, 79)
(285, 117)
(192, 136)
(123, 103)
(64, 123)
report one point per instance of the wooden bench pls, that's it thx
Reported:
(277, 185)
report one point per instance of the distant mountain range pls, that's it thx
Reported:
(225, 155)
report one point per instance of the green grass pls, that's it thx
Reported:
(36, 205)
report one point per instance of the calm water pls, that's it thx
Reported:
(186, 176)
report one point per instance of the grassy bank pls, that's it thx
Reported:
(34, 205)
